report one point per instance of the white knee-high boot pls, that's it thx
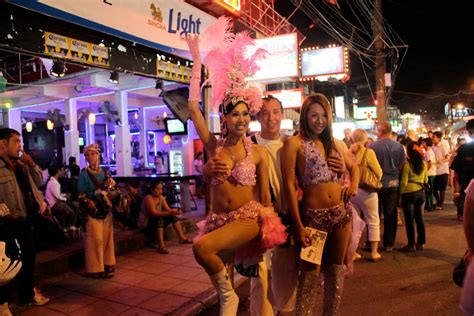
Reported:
(333, 282)
(308, 284)
(229, 301)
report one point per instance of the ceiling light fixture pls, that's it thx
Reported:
(49, 124)
(29, 126)
(91, 118)
(59, 69)
(114, 77)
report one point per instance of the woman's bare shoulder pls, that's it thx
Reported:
(293, 141)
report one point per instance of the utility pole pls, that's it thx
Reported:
(379, 63)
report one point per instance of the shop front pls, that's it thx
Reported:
(100, 73)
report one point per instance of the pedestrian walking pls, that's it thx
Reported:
(442, 153)
(391, 157)
(414, 176)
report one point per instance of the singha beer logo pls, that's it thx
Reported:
(8, 268)
(156, 13)
(157, 20)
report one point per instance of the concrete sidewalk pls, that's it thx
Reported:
(145, 283)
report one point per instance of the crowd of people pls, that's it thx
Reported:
(316, 195)
(42, 209)
(271, 195)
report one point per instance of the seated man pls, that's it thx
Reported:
(57, 201)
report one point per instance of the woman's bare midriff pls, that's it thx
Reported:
(322, 195)
(228, 196)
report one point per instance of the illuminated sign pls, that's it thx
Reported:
(281, 60)
(62, 46)
(292, 98)
(286, 124)
(365, 112)
(339, 107)
(231, 5)
(324, 63)
(160, 24)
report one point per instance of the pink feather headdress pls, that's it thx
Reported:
(229, 66)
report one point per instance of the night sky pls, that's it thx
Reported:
(440, 57)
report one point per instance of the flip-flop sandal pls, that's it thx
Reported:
(375, 259)
(186, 241)
(357, 257)
(99, 275)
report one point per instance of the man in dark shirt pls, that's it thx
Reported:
(463, 166)
(391, 157)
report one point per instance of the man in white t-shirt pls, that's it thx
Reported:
(430, 159)
(57, 201)
(281, 260)
(442, 153)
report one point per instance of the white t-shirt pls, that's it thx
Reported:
(274, 169)
(430, 156)
(53, 192)
(441, 151)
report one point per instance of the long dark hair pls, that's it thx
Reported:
(326, 136)
(415, 158)
(153, 185)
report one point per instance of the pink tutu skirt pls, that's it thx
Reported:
(272, 231)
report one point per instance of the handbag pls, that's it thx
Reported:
(368, 180)
(459, 271)
(426, 187)
(102, 209)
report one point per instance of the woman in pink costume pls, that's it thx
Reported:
(237, 223)
(325, 203)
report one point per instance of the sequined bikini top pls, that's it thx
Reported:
(316, 169)
(244, 171)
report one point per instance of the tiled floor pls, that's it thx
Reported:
(145, 283)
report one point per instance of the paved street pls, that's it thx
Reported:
(417, 283)
(147, 283)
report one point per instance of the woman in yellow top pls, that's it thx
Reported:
(414, 174)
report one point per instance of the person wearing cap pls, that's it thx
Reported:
(98, 238)
(463, 166)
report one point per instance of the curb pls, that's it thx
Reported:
(204, 300)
